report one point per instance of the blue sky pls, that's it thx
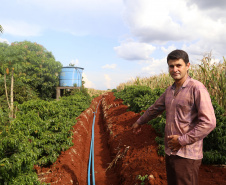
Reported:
(117, 40)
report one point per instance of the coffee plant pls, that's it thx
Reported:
(41, 130)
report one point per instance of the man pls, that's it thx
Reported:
(189, 118)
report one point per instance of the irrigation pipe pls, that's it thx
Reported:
(91, 153)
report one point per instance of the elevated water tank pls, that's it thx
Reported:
(69, 76)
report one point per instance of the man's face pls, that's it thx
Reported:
(178, 69)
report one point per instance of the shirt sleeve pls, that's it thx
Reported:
(206, 118)
(153, 111)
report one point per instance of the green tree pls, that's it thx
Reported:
(33, 65)
(1, 29)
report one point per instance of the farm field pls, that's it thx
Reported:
(121, 157)
(36, 130)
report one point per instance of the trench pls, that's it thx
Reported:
(102, 155)
(71, 166)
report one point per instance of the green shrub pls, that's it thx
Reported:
(214, 145)
(138, 98)
(39, 133)
(114, 90)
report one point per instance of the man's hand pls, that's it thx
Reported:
(136, 128)
(173, 143)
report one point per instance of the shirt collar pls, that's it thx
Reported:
(184, 84)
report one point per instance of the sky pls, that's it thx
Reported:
(117, 40)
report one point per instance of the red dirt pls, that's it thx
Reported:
(117, 149)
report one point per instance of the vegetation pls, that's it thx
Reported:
(95, 93)
(33, 68)
(157, 81)
(216, 153)
(139, 96)
(1, 29)
(212, 75)
(34, 128)
(39, 133)
(142, 178)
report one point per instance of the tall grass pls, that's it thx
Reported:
(212, 75)
(162, 80)
(94, 92)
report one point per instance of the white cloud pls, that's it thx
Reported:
(110, 80)
(131, 50)
(21, 28)
(88, 83)
(109, 66)
(169, 49)
(151, 20)
(162, 22)
(154, 28)
(200, 48)
(157, 66)
(107, 81)
(4, 41)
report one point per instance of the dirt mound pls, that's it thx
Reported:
(137, 153)
(121, 157)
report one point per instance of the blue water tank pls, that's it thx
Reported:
(69, 76)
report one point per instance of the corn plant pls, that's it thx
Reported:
(212, 75)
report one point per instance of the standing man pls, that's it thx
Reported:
(189, 118)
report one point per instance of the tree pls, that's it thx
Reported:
(1, 29)
(33, 65)
(10, 104)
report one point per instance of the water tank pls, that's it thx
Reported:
(69, 76)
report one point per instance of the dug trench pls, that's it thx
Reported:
(120, 156)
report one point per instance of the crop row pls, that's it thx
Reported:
(39, 133)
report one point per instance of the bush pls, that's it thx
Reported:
(214, 146)
(33, 65)
(114, 90)
(39, 133)
(138, 98)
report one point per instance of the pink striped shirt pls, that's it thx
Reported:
(189, 114)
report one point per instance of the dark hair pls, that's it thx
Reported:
(178, 54)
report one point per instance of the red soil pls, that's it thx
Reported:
(120, 155)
